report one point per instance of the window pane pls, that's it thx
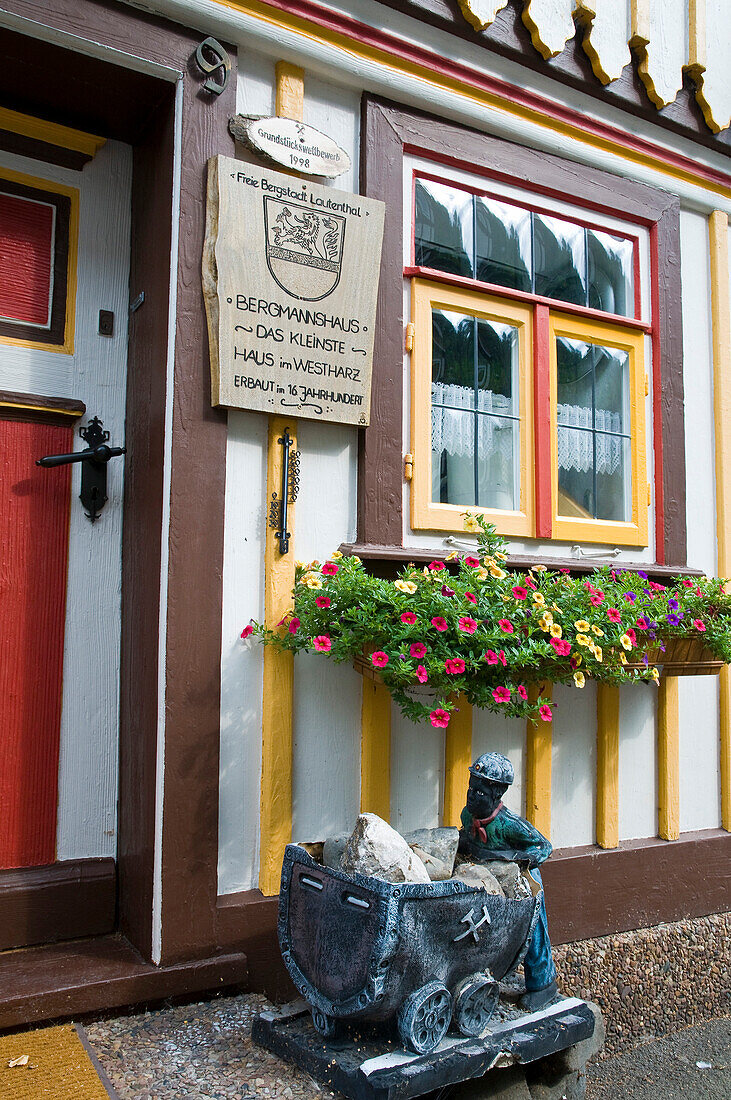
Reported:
(576, 473)
(611, 380)
(453, 359)
(560, 259)
(613, 478)
(575, 382)
(497, 367)
(453, 450)
(498, 466)
(443, 232)
(503, 244)
(611, 273)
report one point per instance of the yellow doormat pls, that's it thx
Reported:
(48, 1064)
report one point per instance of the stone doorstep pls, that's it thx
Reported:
(369, 1070)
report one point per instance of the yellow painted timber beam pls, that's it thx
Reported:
(721, 323)
(668, 760)
(375, 749)
(457, 759)
(538, 762)
(277, 714)
(607, 766)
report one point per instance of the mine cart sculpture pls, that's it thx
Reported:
(362, 949)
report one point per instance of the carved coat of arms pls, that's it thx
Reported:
(304, 248)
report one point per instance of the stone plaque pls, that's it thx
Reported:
(290, 277)
(293, 144)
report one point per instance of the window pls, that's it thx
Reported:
(528, 377)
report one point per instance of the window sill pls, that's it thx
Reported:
(387, 559)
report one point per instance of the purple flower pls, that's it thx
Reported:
(662, 647)
(674, 619)
(651, 634)
(630, 597)
(641, 574)
(673, 605)
(645, 660)
(447, 591)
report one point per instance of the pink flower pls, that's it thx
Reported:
(501, 695)
(546, 713)
(631, 635)
(656, 587)
(421, 674)
(506, 626)
(435, 566)
(522, 692)
(472, 562)
(322, 601)
(417, 649)
(687, 582)
(439, 718)
(471, 597)
(379, 659)
(329, 569)
(491, 657)
(519, 592)
(561, 646)
(699, 625)
(530, 583)
(613, 615)
(247, 632)
(501, 658)
(322, 643)
(454, 665)
(439, 623)
(294, 626)
(596, 600)
(408, 617)
(642, 623)
(468, 625)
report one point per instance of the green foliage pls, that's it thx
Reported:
(468, 626)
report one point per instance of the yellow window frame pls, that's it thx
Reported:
(428, 515)
(575, 529)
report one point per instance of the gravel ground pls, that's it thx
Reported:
(668, 1068)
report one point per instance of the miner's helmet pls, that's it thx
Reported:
(494, 767)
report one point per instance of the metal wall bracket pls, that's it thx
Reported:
(278, 505)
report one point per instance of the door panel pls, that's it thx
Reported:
(34, 526)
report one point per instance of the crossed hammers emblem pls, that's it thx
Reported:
(471, 926)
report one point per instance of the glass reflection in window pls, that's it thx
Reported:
(560, 259)
(593, 442)
(444, 229)
(503, 242)
(611, 273)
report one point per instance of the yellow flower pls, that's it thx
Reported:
(314, 565)
(405, 586)
(582, 625)
(312, 580)
(598, 652)
(539, 599)
(480, 573)
(488, 561)
(335, 555)
(556, 630)
(538, 569)
(452, 556)
(496, 571)
(583, 640)
(579, 679)
(655, 675)
(354, 557)
(500, 557)
(299, 564)
(577, 658)
(471, 524)
(622, 659)
(626, 641)
(596, 630)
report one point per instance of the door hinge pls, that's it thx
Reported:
(410, 336)
(408, 467)
(649, 494)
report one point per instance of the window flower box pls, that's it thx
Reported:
(677, 655)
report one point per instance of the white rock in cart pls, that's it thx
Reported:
(435, 868)
(332, 850)
(440, 844)
(476, 874)
(374, 848)
(507, 875)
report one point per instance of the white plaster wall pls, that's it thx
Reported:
(700, 799)
(574, 766)
(417, 774)
(637, 761)
(491, 733)
(95, 374)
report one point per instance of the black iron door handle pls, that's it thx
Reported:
(102, 453)
(95, 457)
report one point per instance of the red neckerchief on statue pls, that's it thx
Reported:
(479, 823)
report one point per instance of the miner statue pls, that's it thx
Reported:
(491, 832)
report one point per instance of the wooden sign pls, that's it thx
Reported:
(293, 144)
(290, 277)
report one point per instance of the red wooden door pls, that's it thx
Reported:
(34, 527)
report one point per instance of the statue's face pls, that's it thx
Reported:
(483, 796)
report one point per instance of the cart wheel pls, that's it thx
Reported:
(323, 1024)
(424, 1017)
(475, 1000)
